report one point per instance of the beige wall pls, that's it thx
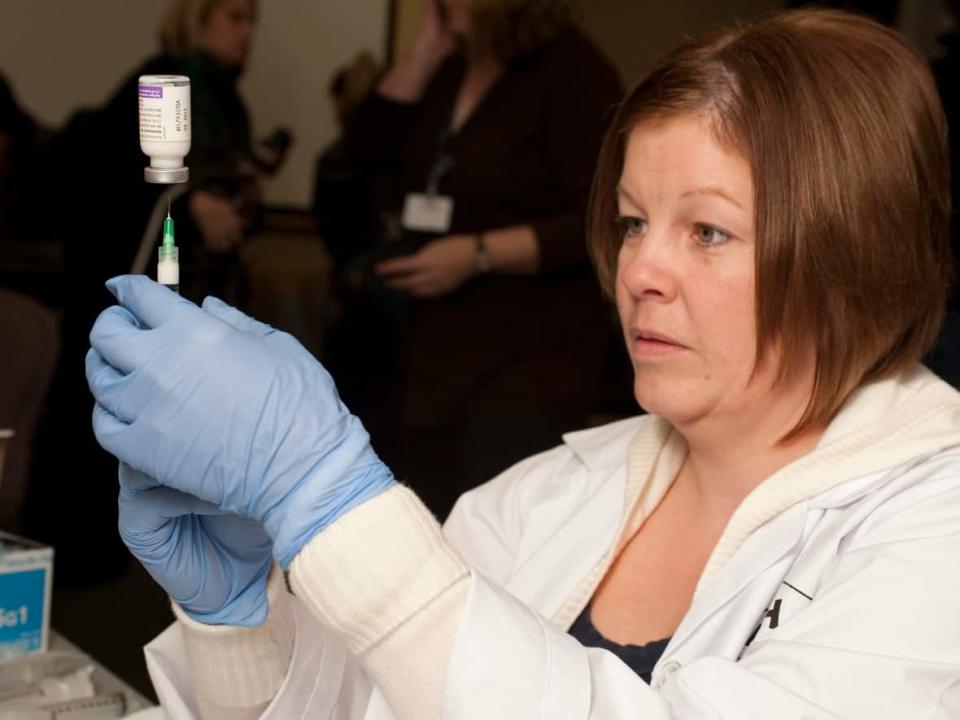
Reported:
(300, 44)
(635, 33)
(408, 13)
(62, 54)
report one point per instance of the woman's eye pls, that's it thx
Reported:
(631, 226)
(709, 236)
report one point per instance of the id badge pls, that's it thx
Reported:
(427, 213)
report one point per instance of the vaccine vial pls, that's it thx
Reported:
(165, 127)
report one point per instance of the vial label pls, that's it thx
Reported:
(164, 113)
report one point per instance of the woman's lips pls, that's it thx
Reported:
(647, 345)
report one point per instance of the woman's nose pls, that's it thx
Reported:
(647, 268)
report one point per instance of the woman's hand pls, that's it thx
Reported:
(434, 41)
(221, 226)
(214, 565)
(407, 80)
(437, 269)
(219, 406)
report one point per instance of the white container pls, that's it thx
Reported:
(165, 126)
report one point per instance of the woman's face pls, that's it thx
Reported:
(685, 274)
(228, 32)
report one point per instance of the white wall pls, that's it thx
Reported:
(63, 54)
(60, 54)
(300, 43)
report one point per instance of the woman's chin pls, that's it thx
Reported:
(666, 400)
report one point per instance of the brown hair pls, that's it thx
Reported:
(846, 139)
(509, 29)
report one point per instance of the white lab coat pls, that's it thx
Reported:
(854, 584)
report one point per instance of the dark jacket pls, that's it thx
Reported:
(525, 156)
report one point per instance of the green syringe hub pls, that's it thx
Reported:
(168, 249)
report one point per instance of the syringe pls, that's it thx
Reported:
(164, 102)
(168, 265)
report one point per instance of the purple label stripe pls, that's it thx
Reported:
(151, 91)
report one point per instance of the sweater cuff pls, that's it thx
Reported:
(237, 667)
(375, 567)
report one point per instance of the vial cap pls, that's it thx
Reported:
(166, 176)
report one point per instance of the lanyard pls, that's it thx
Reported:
(442, 159)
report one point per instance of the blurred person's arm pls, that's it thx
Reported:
(513, 250)
(443, 265)
(382, 122)
(407, 80)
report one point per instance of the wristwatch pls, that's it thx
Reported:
(482, 257)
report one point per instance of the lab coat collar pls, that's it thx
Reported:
(917, 387)
(883, 425)
(605, 446)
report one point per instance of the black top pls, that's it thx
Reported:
(639, 658)
(525, 156)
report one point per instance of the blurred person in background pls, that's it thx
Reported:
(488, 131)
(19, 139)
(345, 199)
(27, 328)
(28, 332)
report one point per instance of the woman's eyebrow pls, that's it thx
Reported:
(623, 194)
(714, 190)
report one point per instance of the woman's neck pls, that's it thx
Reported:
(728, 457)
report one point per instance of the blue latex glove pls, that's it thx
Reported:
(214, 564)
(217, 405)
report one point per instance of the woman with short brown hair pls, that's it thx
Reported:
(779, 538)
(848, 163)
